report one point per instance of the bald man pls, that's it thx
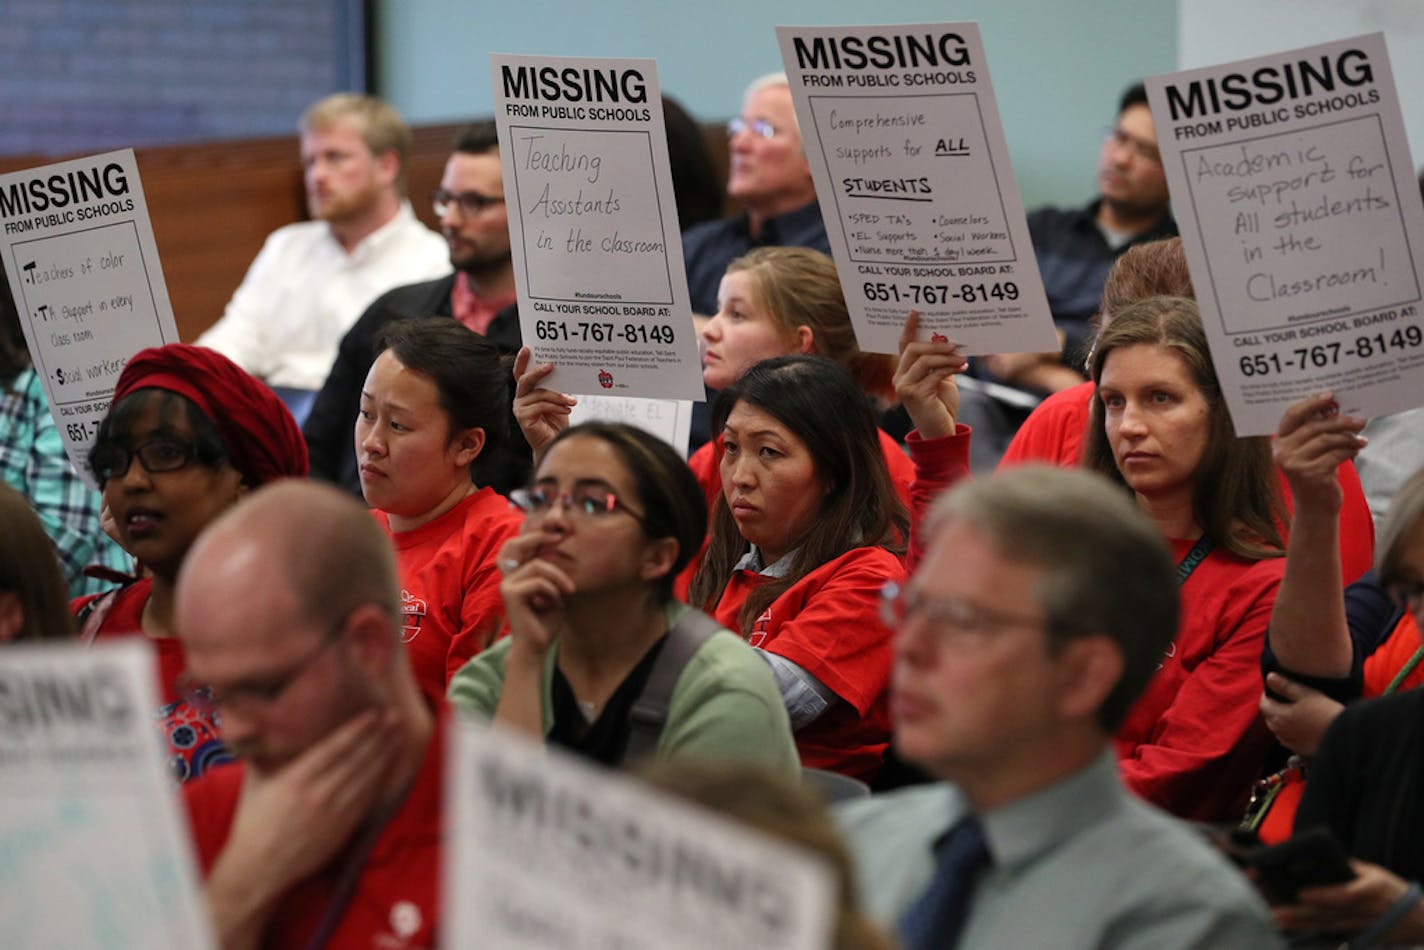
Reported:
(326, 832)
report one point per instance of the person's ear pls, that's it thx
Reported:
(1089, 669)
(658, 558)
(388, 165)
(805, 339)
(370, 638)
(468, 445)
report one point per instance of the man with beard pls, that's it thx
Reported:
(327, 830)
(1076, 247)
(312, 279)
(480, 294)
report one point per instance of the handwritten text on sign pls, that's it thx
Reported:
(593, 225)
(1300, 218)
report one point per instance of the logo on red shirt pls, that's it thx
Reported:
(759, 632)
(413, 609)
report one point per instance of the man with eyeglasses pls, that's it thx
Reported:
(769, 176)
(1076, 247)
(311, 280)
(1040, 609)
(327, 830)
(480, 293)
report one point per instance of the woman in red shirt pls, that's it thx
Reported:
(1194, 742)
(433, 408)
(806, 531)
(187, 434)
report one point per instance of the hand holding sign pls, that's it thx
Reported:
(924, 380)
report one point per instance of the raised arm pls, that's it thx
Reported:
(1308, 632)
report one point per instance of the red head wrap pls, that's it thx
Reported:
(260, 435)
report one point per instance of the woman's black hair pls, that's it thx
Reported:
(670, 499)
(823, 406)
(475, 387)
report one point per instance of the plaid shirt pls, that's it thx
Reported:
(32, 461)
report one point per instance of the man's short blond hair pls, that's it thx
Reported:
(379, 124)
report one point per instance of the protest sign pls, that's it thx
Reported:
(668, 419)
(593, 226)
(93, 852)
(549, 852)
(83, 267)
(912, 171)
(1295, 194)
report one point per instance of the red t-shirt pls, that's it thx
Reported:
(396, 900)
(192, 740)
(1194, 742)
(1391, 656)
(828, 623)
(707, 460)
(450, 584)
(1055, 433)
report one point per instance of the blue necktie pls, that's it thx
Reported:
(936, 918)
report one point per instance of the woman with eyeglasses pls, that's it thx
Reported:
(601, 658)
(187, 434)
(1194, 742)
(805, 533)
(434, 413)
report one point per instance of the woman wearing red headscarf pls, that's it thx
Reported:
(187, 434)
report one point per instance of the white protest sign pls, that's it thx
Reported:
(668, 419)
(93, 852)
(549, 852)
(912, 171)
(79, 253)
(1295, 194)
(593, 226)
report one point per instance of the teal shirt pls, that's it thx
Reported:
(725, 705)
(32, 461)
(1081, 864)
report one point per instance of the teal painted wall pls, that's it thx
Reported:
(1058, 67)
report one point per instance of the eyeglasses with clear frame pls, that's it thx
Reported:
(955, 622)
(161, 454)
(256, 694)
(758, 127)
(470, 202)
(585, 501)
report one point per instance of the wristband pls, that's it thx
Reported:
(1386, 921)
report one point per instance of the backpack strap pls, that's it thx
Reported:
(650, 711)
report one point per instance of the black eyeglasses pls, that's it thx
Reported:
(254, 695)
(758, 127)
(587, 502)
(470, 202)
(155, 455)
